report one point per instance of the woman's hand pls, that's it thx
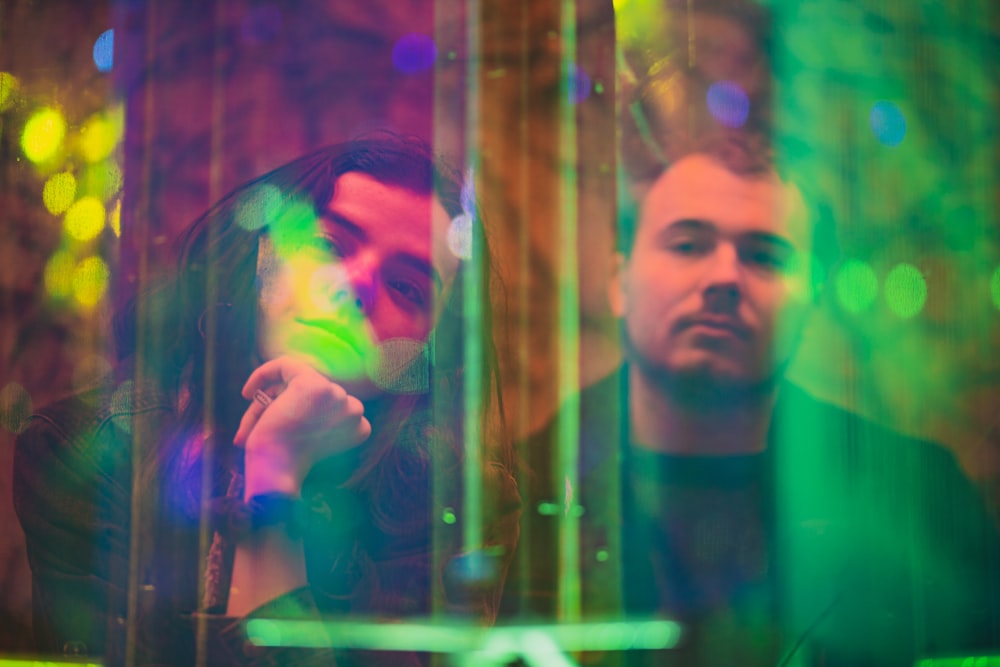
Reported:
(307, 419)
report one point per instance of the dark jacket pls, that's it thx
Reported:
(74, 497)
(876, 549)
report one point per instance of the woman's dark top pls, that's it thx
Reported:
(73, 495)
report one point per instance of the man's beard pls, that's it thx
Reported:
(702, 389)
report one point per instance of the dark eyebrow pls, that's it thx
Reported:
(771, 239)
(705, 227)
(340, 221)
(414, 262)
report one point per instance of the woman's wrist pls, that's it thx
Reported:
(270, 472)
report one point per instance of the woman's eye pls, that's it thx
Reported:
(409, 291)
(329, 245)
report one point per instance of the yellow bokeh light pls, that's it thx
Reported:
(9, 85)
(59, 192)
(85, 219)
(59, 274)
(43, 134)
(116, 218)
(97, 139)
(90, 280)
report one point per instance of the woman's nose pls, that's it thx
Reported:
(360, 279)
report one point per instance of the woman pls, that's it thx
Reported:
(290, 412)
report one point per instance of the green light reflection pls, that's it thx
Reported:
(498, 643)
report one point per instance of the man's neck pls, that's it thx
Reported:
(663, 420)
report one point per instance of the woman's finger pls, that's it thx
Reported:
(278, 371)
(260, 401)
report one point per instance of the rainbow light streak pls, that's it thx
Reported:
(568, 604)
(18, 662)
(498, 644)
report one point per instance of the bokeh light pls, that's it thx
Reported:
(104, 51)
(15, 407)
(102, 180)
(728, 103)
(59, 274)
(414, 53)
(578, 85)
(995, 287)
(59, 192)
(9, 85)
(261, 24)
(97, 138)
(856, 286)
(460, 236)
(90, 280)
(905, 290)
(85, 219)
(89, 370)
(115, 219)
(259, 207)
(887, 123)
(43, 134)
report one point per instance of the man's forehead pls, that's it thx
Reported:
(698, 187)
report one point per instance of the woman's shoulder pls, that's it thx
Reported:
(85, 439)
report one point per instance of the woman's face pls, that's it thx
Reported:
(357, 291)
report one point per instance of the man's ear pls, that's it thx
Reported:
(618, 287)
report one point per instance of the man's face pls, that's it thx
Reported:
(717, 284)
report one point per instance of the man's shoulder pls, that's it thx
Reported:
(804, 421)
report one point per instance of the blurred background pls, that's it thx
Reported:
(121, 121)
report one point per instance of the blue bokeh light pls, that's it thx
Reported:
(728, 103)
(888, 123)
(579, 84)
(104, 51)
(414, 53)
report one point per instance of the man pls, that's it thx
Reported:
(777, 529)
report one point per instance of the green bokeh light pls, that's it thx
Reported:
(905, 290)
(856, 286)
(448, 516)
(59, 274)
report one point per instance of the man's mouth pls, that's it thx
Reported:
(717, 325)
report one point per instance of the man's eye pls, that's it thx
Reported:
(687, 246)
(767, 259)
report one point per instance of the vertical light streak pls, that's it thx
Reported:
(139, 536)
(212, 313)
(472, 529)
(569, 326)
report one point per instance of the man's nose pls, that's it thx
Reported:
(723, 279)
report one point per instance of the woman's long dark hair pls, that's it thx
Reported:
(196, 337)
